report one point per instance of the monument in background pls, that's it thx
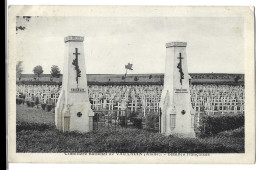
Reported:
(177, 114)
(73, 111)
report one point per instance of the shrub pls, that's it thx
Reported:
(37, 101)
(152, 121)
(49, 107)
(132, 115)
(43, 106)
(22, 101)
(28, 103)
(137, 123)
(23, 96)
(19, 100)
(123, 121)
(32, 103)
(212, 125)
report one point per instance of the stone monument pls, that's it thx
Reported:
(177, 114)
(73, 111)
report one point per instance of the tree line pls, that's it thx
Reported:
(38, 71)
(55, 71)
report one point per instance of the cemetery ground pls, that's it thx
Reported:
(36, 133)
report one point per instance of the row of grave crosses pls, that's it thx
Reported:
(209, 99)
(122, 97)
(46, 94)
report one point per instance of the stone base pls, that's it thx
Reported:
(81, 124)
(73, 117)
(80, 117)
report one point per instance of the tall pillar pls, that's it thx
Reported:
(73, 111)
(177, 113)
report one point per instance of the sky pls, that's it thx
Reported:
(213, 44)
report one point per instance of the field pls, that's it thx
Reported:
(36, 133)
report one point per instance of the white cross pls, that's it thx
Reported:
(96, 104)
(110, 105)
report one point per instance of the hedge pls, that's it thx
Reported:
(214, 124)
(43, 138)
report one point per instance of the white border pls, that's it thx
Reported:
(141, 2)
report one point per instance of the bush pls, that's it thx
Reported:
(32, 103)
(152, 121)
(28, 103)
(49, 107)
(137, 123)
(23, 100)
(43, 106)
(123, 121)
(22, 96)
(132, 115)
(37, 101)
(19, 101)
(212, 125)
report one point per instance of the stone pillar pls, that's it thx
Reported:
(73, 111)
(177, 115)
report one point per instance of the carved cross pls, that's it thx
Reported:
(79, 114)
(179, 66)
(76, 64)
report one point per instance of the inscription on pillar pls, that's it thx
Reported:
(77, 90)
(181, 91)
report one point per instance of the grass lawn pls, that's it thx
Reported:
(36, 133)
(34, 115)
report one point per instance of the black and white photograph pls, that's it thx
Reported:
(135, 82)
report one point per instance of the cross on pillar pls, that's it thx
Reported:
(76, 64)
(179, 66)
